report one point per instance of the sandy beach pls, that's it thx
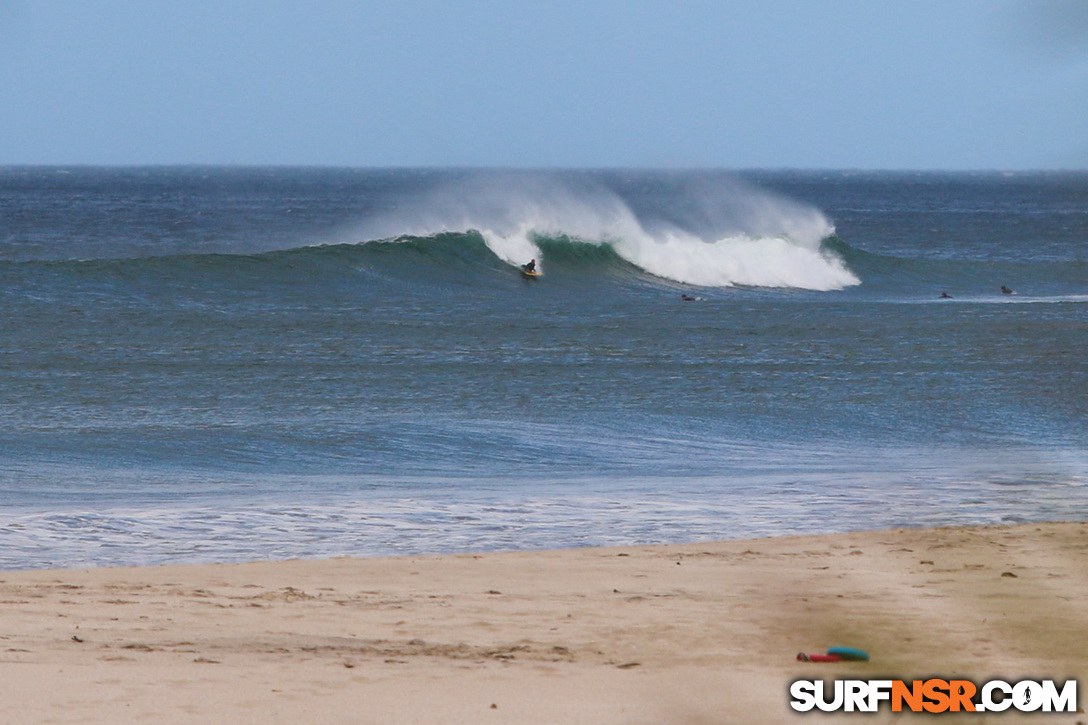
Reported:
(698, 633)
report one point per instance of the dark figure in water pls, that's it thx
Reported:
(945, 296)
(530, 267)
(1005, 290)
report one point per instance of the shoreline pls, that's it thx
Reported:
(688, 633)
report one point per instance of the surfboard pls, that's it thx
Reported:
(530, 274)
(836, 654)
(848, 653)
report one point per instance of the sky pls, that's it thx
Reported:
(735, 84)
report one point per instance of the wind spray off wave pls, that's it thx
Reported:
(717, 233)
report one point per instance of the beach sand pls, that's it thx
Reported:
(696, 633)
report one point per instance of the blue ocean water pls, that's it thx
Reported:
(226, 364)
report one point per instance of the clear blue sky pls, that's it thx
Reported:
(893, 84)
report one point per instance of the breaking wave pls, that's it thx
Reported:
(715, 233)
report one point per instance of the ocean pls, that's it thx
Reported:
(233, 364)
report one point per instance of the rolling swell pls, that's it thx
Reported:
(451, 261)
(968, 276)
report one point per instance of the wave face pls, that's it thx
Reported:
(466, 264)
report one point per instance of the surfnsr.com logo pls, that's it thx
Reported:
(934, 695)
